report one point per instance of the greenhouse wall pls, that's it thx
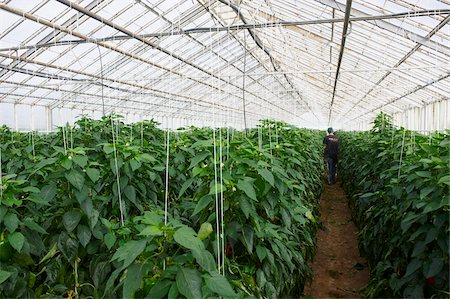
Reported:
(433, 117)
(41, 118)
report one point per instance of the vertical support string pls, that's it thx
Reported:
(32, 146)
(222, 232)
(63, 133)
(166, 195)
(401, 153)
(116, 166)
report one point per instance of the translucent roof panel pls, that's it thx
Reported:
(193, 59)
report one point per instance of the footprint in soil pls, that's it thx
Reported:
(334, 274)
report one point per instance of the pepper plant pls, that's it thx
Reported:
(398, 181)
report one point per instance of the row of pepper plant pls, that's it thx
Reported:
(398, 184)
(82, 211)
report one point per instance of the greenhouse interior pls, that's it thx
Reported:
(224, 148)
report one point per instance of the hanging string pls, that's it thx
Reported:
(228, 143)
(401, 153)
(243, 85)
(71, 137)
(260, 138)
(166, 195)
(215, 172)
(222, 233)
(131, 134)
(142, 131)
(63, 133)
(121, 207)
(32, 146)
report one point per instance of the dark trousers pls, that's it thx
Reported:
(331, 169)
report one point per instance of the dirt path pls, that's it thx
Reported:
(339, 271)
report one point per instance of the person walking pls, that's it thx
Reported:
(331, 154)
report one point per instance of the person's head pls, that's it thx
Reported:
(330, 130)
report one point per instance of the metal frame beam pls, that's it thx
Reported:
(367, 18)
(403, 59)
(380, 23)
(111, 24)
(403, 96)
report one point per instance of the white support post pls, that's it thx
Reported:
(49, 113)
(33, 111)
(16, 125)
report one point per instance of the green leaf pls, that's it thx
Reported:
(80, 160)
(16, 240)
(31, 189)
(423, 174)
(151, 230)
(84, 234)
(413, 266)
(173, 292)
(202, 203)
(247, 187)
(99, 273)
(435, 267)
(129, 252)
(185, 186)
(270, 290)
(199, 158)
(147, 158)
(445, 180)
(110, 240)
(260, 278)
(445, 142)
(309, 215)
(68, 246)
(34, 197)
(261, 252)
(67, 163)
(205, 259)
(219, 285)
(132, 281)
(75, 178)
(130, 193)
(247, 234)
(4, 275)
(93, 174)
(246, 206)
(71, 220)
(108, 148)
(186, 237)
(189, 283)
(34, 226)
(50, 254)
(135, 164)
(48, 192)
(426, 191)
(267, 175)
(205, 230)
(160, 289)
(286, 217)
(11, 222)
(44, 163)
(216, 188)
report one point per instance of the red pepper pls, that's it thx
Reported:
(229, 249)
(431, 280)
(258, 265)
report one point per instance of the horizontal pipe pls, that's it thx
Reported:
(409, 14)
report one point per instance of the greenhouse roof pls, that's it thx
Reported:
(306, 62)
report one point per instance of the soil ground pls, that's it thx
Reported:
(339, 270)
